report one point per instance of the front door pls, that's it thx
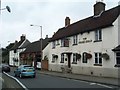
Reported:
(69, 60)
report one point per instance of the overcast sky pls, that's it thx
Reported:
(50, 14)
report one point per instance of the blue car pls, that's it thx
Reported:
(24, 71)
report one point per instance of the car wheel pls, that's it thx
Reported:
(34, 76)
(20, 76)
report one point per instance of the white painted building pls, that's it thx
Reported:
(90, 46)
(14, 53)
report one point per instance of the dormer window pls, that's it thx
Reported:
(98, 35)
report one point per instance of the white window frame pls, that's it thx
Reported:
(62, 58)
(53, 44)
(84, 59)
(117, 56)
(57, 42)
(74, 58)
(98, 58)
(62, 42)
(75, 39)
(98, 35)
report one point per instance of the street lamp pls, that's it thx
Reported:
(7, 7)
(41, 37)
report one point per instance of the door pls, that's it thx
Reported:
(69, 60)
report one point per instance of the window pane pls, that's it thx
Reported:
(62, 42)
(96, 35)
(100, 35)
(75, 39)
(84, 58)
(95, 55)
(73, 57)
(117, 54)
(100, 55)
(96, 60)
(62, 57)
(100, 60)
(118, 60)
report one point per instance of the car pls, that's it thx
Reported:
(5, 67)
(25, 71)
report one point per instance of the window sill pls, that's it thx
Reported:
(97, 40)
(53, 61)
(64, 46)
(61, 62)
(97, 64)
(117, 65)
(74, 62)
(57, 44)
(75, 44)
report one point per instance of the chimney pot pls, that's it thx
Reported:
(46, 36)
(16, 41)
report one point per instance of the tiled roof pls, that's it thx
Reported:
(16, 45)
(36, 46)
(116, 49)
(89, 24)
(24, 45)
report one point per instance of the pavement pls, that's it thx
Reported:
(95, 79)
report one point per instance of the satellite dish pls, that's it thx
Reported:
(8, 8)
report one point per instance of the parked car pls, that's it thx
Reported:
(24, 71)
(5, 67)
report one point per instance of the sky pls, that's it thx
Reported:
(50, 14)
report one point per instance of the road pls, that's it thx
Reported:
(46, 81)
(1, 81)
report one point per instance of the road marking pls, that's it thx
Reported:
(104, 85)
(92, 83)
(81, 81)
(1, 79)
(16, 80)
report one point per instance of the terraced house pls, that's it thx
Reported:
(90, 46)
(18, 47)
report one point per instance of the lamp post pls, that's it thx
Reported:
(41, 37)
(7, 7)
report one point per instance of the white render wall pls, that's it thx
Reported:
(97, 71)
(119, 30)
(15, 55)
(110, 39)
(46, 51)
(11, 56)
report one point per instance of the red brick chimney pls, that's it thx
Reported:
(67, 21)
(99, 7)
